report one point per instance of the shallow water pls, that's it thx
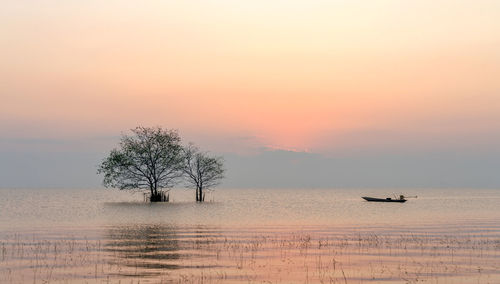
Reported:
(309, 235)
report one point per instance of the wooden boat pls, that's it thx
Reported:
(388, 199)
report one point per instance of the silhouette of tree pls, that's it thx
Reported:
(150, 159)
(202, 171)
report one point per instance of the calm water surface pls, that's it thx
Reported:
(308, 235)
(27, 209)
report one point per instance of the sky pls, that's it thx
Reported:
(348, 93)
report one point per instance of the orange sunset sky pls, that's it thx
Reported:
(316, 76)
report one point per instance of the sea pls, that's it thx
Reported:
(304, 235)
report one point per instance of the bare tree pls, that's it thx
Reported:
(202, 171)
(149, 159)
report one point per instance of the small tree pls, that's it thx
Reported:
(202, 171)
(149, 159)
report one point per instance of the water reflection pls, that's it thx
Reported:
(150, 249)
(194, 254)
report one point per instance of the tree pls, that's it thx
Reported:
(149, 159)
(202, 171)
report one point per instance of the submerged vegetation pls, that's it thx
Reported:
(158, 254)
(154, 159)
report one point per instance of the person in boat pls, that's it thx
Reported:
(401, 197)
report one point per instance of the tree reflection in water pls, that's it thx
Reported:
(150, 250)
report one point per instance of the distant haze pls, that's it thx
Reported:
(270, 168)
(291, 93)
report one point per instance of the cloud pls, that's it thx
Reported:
(73, 164)
(289, 169)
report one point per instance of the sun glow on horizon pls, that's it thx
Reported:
(318, 75)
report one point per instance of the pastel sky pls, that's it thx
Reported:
(328, 77)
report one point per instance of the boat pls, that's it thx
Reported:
(388, 199)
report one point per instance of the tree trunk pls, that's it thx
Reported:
(156, 195)
(200, 194)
